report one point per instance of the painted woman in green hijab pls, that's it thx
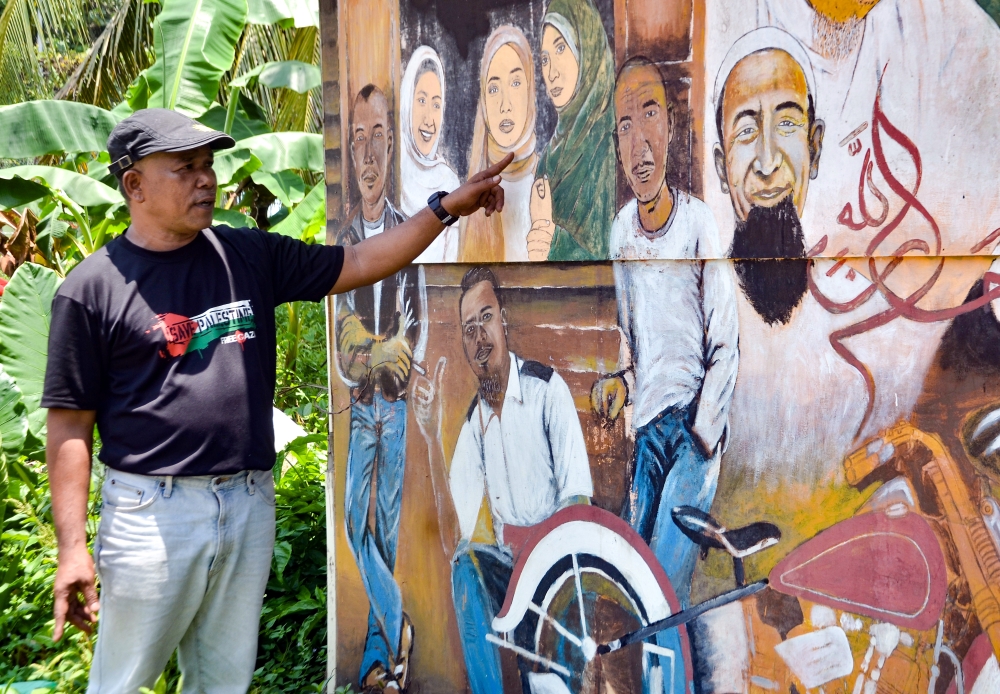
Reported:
(573, 199)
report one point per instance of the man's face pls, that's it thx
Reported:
(768, 151)
(843, 10)
(483, 334)
(174, 188)
(642, 120)
(371, 145)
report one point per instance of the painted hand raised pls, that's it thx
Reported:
(540, 209)
(427, 402)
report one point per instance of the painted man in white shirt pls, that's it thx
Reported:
(521, 450)
(677, 311)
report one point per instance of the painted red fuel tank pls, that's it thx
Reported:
(885, 567)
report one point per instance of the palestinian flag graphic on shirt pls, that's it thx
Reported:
(227, 323)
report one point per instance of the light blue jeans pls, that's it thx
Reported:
(183, 563)
(377, 446)
(670, 470)
(479, 578)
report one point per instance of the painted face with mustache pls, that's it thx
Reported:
(371, 147)
(770, 141)
(484, 339)
(642, 125)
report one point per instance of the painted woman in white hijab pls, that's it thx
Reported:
(424, 170)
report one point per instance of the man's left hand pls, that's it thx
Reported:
(482, 191)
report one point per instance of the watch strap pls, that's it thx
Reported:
(434, 202)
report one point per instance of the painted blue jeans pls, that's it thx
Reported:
(670, 470)
(377, 446)
(480, 575)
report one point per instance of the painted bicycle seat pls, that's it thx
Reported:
(706, 532)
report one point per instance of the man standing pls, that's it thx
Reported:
(521, 442)
(377, 328)
(679, 353)
(165, 338)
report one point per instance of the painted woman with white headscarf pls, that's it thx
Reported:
(505, 123)
(424, 170)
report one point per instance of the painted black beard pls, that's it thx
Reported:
(490, 388)
(775, 285)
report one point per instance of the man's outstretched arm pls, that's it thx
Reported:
(70, 440)
(376, 258)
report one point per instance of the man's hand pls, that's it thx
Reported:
(608, 397)
(427, 402)
(75, 592)
(70, 439)
(376, 258)
(482, 191)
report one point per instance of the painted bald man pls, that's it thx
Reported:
(769, 148)
(680, 353)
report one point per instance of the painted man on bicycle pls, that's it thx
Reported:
(520, 457)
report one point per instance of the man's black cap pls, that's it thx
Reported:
(153, 130)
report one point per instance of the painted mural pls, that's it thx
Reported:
(741, 431)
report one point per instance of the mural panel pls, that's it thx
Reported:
(743, 433)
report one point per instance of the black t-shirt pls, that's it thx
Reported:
(176, 350)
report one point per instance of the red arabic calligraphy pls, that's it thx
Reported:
(899, 306)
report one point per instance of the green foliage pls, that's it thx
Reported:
(195, 45)
(24, 331)
(288, 74)
(83, 190)
(189, 55)
(36, 128)
(292, 649)
(27, 569)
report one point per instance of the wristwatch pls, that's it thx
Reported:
(434, 202)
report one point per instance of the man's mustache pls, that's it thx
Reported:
(769, 254)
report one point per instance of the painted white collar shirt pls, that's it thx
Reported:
(677, 310)
(529, 461)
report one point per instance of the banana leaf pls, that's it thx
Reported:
(36, 128)
(232, 218)
(285, 151)
(307, 217)
(234, 165)
(287, 186)
(195, 44)
(25, 313)
(286, 13)
(243, 125)
(18, 191)
(13, 417)
(296, 75)
(81, 189)
(136, 97)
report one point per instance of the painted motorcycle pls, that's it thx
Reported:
(901, 598)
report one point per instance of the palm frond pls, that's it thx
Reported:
(287, 110)
(116, 58)
(29, 28)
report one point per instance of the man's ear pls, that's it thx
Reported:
(720, 168)
(815, 146)
(132, 183)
